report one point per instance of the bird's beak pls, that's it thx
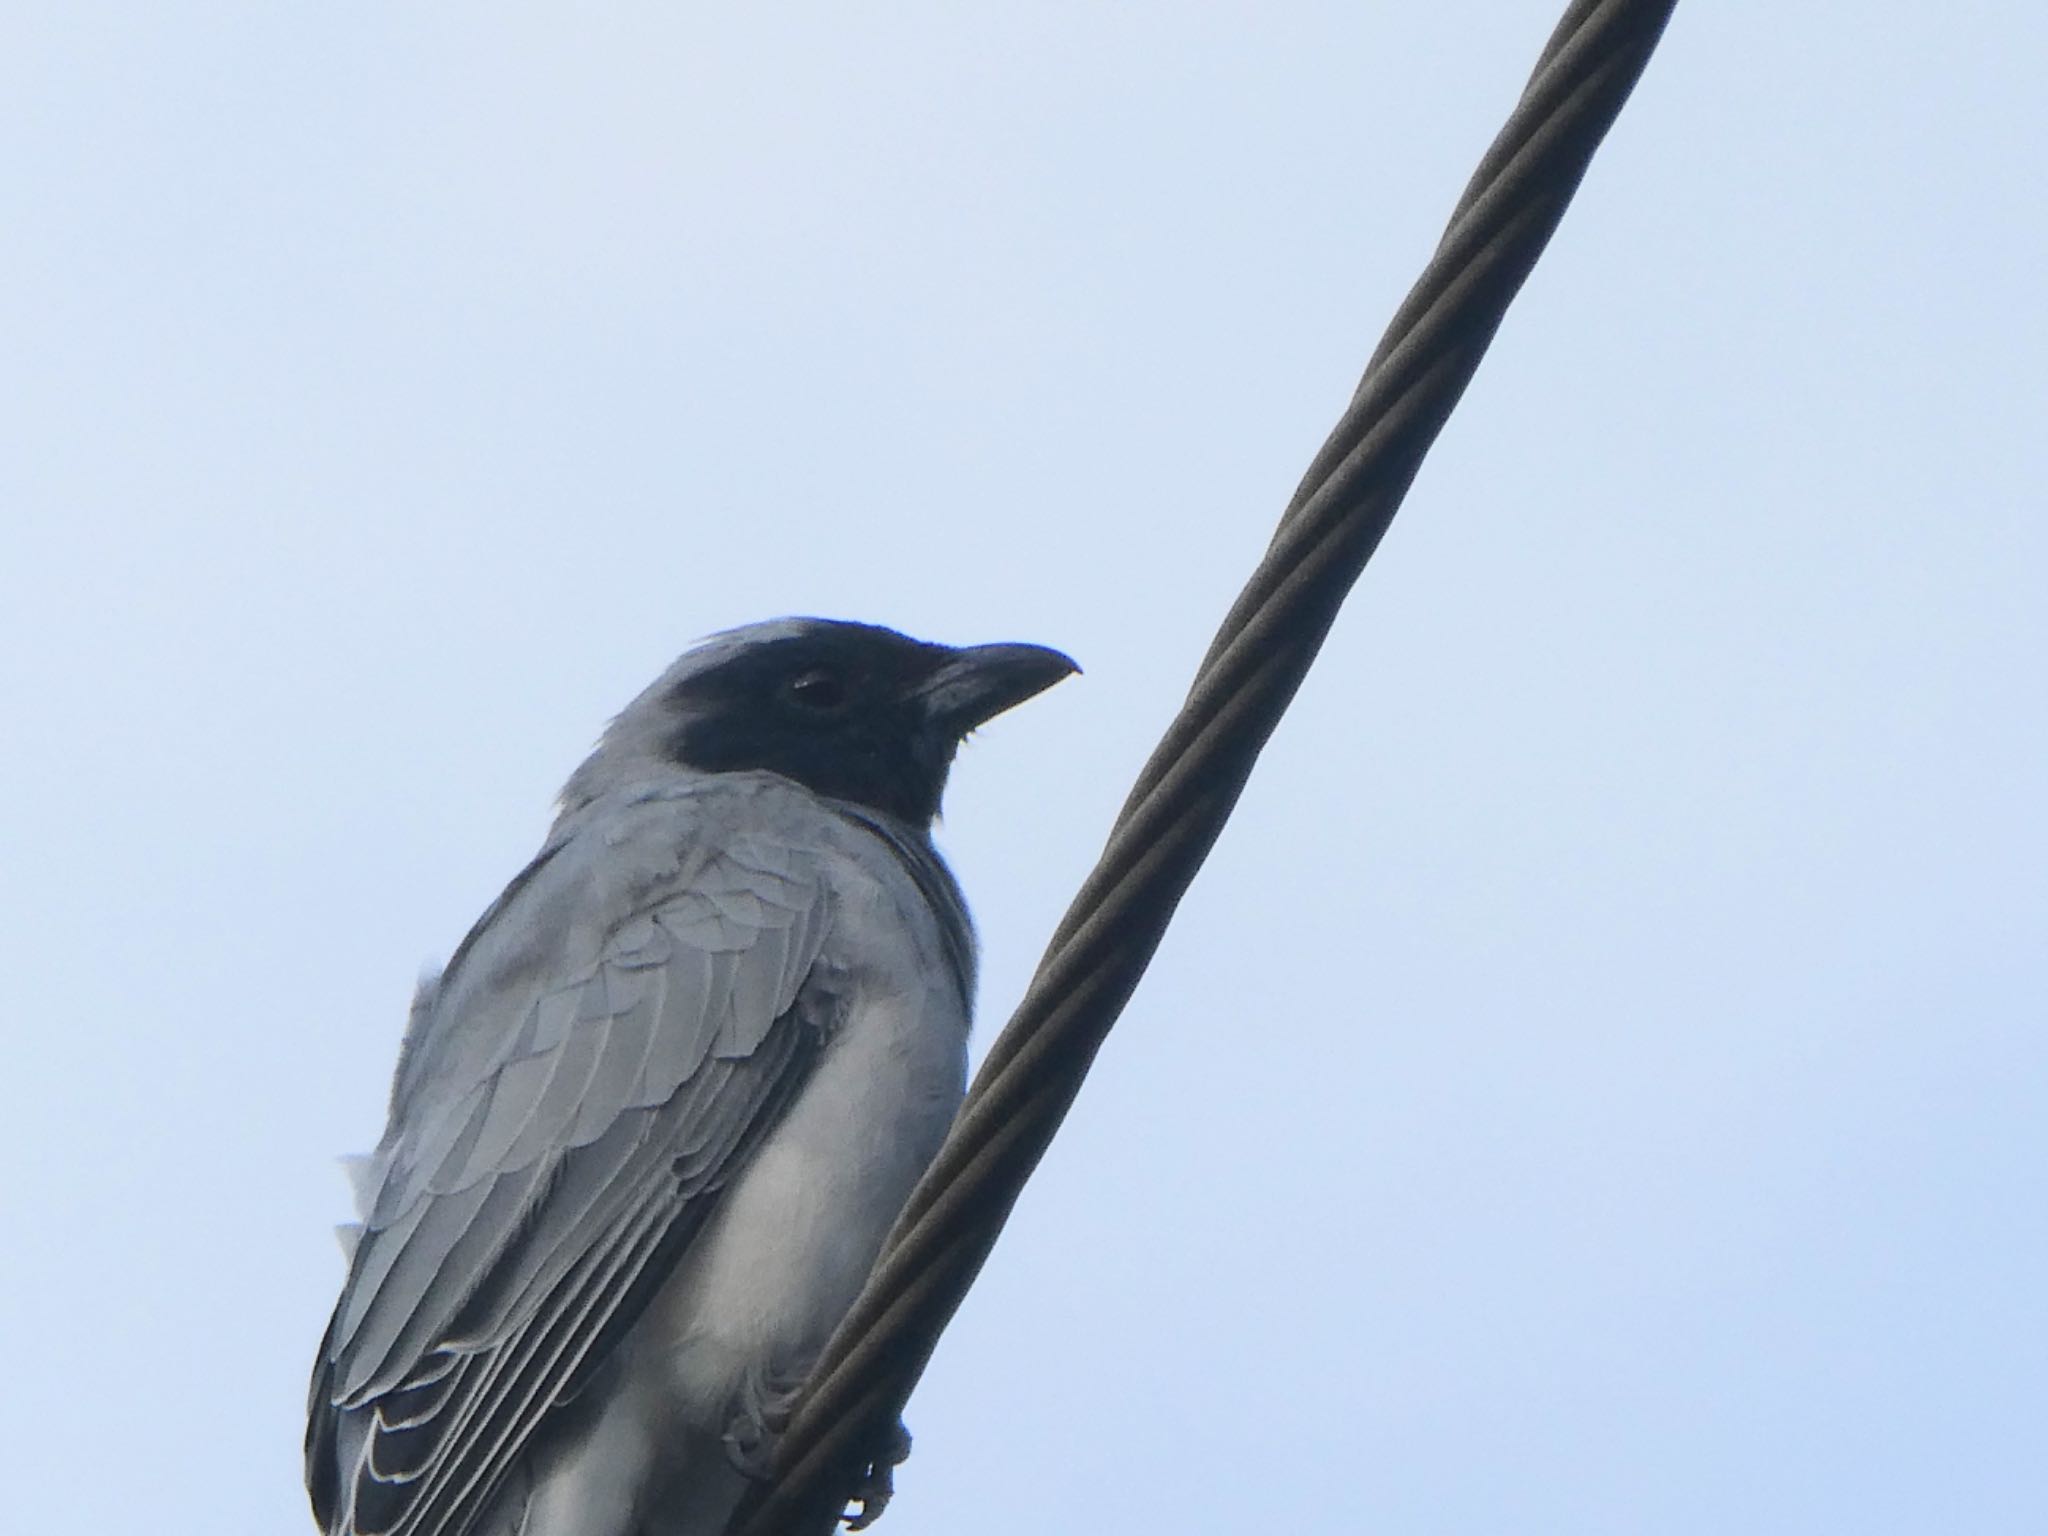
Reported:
(979, 682)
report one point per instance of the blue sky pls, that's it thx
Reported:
(1596, 1085)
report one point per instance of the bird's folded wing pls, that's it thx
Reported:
(518, 1230)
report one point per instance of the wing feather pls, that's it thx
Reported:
(563, 1128)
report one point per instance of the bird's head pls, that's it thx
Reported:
(853, 711)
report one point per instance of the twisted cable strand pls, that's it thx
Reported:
(1188, 787)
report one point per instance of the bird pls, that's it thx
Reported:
(651, 1122)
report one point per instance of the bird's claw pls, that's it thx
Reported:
(878, 1486)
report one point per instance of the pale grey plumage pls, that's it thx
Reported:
(647, 1129)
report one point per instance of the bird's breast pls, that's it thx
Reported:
(796, 1232)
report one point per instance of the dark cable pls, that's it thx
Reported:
(1185, 793)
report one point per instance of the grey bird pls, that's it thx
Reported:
(652, 1121)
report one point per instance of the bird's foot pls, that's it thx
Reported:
(878, 1486)
(766, 1403)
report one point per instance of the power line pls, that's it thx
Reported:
(1187, 789)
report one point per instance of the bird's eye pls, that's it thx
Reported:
(820, 689)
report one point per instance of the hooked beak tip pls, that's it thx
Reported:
(979, 682)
